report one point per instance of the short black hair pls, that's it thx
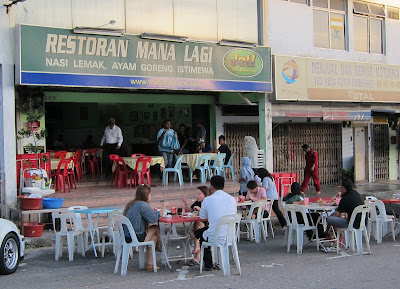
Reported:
(347, 184)
(222, 137)
(182, 125)
(252, 185)
(305, 146)
(218, 182)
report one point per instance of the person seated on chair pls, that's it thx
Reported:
(268, 183)
(142, 215)
(203, 147)
(295, 194)
(255, 193)
(246, 174)
(201, 193)
(183, 138)
(223, 148)
(350, 200)
(214, 207)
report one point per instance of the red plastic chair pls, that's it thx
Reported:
(93, 163)
(60, 155)
(142, 169)
(122, 173)
(63, 176)
(78, 164)
(137, 155)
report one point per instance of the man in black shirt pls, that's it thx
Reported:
(224, 148)
(183, 138)
(350, 200)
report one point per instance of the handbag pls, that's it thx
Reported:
(175, 143)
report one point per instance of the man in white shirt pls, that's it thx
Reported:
(111, 143)
(214, 207)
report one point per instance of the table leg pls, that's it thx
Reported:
(92, 232)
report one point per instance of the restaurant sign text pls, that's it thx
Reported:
(54, 56)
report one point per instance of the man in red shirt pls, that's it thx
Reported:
(311, 169)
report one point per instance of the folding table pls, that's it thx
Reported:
(170, 234)
(93, 226)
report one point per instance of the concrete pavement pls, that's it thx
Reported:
(263, 265)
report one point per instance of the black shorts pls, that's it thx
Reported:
(199, 233)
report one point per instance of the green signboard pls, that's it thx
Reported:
(60, 57)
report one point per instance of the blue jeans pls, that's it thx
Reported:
(337, 222)
(168, 159)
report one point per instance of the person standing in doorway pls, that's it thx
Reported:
(111, 143)
(311, 169)
(165, 137)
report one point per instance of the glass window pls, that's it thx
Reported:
(337, 31)
(393, 13)
(329, 24)
(377, 10)
(321, 32)
(338, 5)
(360, 7)
(360, 33)
(320, 3)
(376, 35)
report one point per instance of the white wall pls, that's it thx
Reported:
(208, 20)
(290, 32)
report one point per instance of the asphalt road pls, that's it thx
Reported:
(263, 265)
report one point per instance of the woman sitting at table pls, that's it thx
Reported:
(201, 193)
(142, 215)
(255, 193)
(268, 183)
(295, 194)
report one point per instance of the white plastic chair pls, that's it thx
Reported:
(71, 233)
(253, 226)
(177, 170)
(111, 233)
(204, 170)
(299, 228)
(378, 218)
(218, 166)
(124, 247)
(265, 221)
(229, 165)
(289, 226)
(79, 224)
(356, 233)
(226, 225)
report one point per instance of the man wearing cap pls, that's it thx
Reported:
(203, 147)
(311, 169)
(111, 143)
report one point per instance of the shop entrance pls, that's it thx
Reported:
(81, 125)
(326, 139)
(380, 152)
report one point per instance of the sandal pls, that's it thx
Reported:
(193, 262)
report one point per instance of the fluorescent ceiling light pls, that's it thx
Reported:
(163, 37)
(99, 31)
(226, 42)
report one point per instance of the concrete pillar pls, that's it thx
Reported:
(7, 133)
(265, 130)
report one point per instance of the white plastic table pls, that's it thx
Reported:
(42, 192)
(94, 226)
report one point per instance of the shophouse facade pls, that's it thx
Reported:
(140, 61)
(336, 85)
